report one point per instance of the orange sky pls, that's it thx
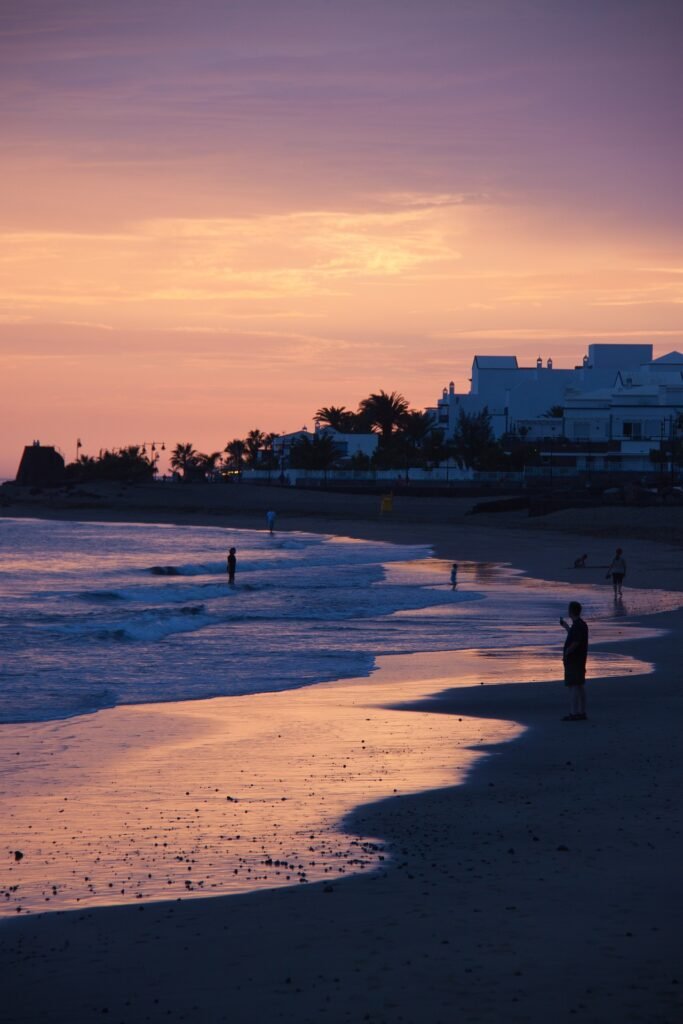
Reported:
(222, 219)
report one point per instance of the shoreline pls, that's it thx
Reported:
(654, 561)
(557, 859)
(544, 548)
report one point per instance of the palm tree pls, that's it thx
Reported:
(339, 418)
(416, 437)
(235, 451)
(207, 465)
(254, 445)
(319, 453)
(416, 426)
(184, 459)
(474, 444)
(384, 411)
(269, 458)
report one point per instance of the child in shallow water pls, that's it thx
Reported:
(231, 565)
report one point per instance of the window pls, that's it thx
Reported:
(633, 429)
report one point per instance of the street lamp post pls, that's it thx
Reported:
(155, 447)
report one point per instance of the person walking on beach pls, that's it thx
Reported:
(270, 521)
(574, 658)
(454, 575)
(231, 565)
(617, 570)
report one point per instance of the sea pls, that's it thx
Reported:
(94, 615)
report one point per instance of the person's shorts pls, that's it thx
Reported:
(618, 578)
(574, 675)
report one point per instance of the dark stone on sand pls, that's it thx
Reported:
(18, 855)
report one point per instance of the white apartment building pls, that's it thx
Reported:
(618, 407)
(514, 393)
(638, 415)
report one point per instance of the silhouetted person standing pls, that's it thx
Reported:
(617, 570)
(454, 575)
(574, 658)
(232, 565)
(270, 521)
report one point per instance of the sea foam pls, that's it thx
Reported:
(86, 621)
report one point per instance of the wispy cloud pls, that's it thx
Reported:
(324, 198)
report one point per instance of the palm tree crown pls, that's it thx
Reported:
(338, 417)
(384, 411)
(184, 458)
(235, 451)
(254, 444)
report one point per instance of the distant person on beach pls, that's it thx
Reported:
(454, 575)
(232, 565)
(617, 570)
(580, 563)
(574, 658)
(270, 521)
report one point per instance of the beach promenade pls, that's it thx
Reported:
(544, 887)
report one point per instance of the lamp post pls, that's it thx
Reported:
(79, 445)
(155, 447)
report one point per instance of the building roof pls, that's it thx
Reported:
(496, 362)
(670, 357)
(649, 378)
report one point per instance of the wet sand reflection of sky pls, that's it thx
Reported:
(188, 799)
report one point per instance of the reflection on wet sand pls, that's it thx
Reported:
(161, 801)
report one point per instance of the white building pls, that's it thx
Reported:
(621, 409)
(640, 405)
(636, 417)
(513, 393)
(347, 445)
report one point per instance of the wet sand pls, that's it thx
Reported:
(195, 798)
(545, 887)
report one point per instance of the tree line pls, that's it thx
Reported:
(406, 438)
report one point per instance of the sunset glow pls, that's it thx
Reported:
(223, 216)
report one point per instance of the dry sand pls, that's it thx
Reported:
(544, 887)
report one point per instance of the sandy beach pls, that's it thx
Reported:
(531, 867)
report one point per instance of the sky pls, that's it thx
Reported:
(220, 216)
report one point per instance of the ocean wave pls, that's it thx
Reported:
(148, 625)
(286, 559)
(102, 595)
